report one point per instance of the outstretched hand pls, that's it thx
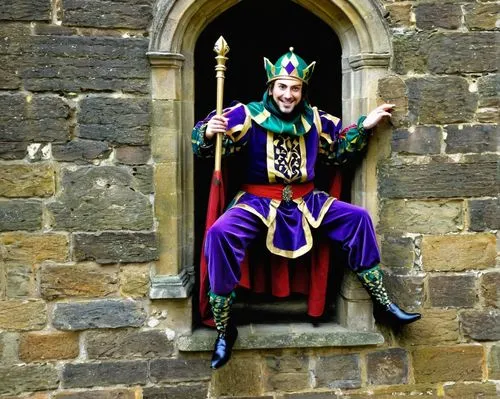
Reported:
(375, 116)
(217, 124)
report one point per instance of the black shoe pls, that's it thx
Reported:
(394, 315)
(223, 347)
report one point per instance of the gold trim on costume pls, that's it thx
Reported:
(299, 150)
(287, 253)
(242, 128)
(303, 159)
(271, 173)
(314, 222)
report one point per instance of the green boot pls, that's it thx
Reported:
(227, 332)
(384, 308)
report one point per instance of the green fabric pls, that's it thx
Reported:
(221, 309)
(278, 122)
(372, 280)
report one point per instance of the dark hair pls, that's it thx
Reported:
(305, 89)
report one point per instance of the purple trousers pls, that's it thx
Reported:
(229, 237)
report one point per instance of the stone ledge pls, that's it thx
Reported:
(278, 336)
(177, 286)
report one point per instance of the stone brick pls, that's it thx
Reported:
(20, 215)
(98, 314)
(471, 138)
(436, 217)
(143, 178)
(488, 115)
(34, 248)
(81, 375)
(387, 367)
(432, 364)
(286, 373)
(398, 253)
(65, 281)
(27, 180)
(490, 289)
(410, 53)
(191, 391)
(432, 15)
(338, 371)
(406, 290)
(16, 379)
(484, 215)
(100, 198)
(487, 87)
(48, 345)
(14, 36)
(438, 180)
(494, 362)
(103, 14)
(9, 348)
(171, 370)
(20, 281)
(393, 90)
(481, 16)
(481, 325)
(440, 100)
(240, 377)
(423, 140)
(79, 151)
(318, 395)
(97, 394)
(53, 30)
(118, 63)
(12, 151)
(133, 155)
(25, 10)
(117, 120)
(128, 344)
(23, 315)
(457, 291)
(461, 390)
(134, 281)
(437, 327)
(116, 247)
(476, 251)
(399, 15)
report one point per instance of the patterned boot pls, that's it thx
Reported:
(384, 309)
(227, 332)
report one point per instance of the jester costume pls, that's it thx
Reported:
(278, 154)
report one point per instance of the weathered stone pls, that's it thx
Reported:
(488, 115)
(461, 390)
(318, 395)
(392, 89)
(97, 394)
(20, 281)
(398, 253)
(23, 315)
(38, 118)
(20, 215)
(133, 155)
(287, 373)
(128, 344)
(61, 63)
(438, 180)
(399, 15)
(440, 100)
(436, 217)
(103, 14)
(476, 251)
(494, 362)
(338, 371)
(53, 30)
(80, 151)
(490, 289)
(240, 377)
(12, 151)
(170, 370)
(27, 180)
(134, 281)
(484, 215)
(410, 53)
(432, 15)
(63, 281)
(432, 364)
(481, 325)
(106, 373)
(437, 327)
(480, 16)
(116, 247)
(100, 198)
(48, 345)
(471, 138)
(191, 391)
(117, 120)
(34, 248)
(98, 314)
(423, 140)
(25, 10)
(14, 37)
(143, 178)
(488, 88)
(16, 379)
(455, 291)
(387, 367)
(407, 291)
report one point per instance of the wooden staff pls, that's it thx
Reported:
(221, 48)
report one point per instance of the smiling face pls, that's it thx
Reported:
(287, 93)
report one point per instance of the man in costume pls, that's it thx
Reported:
(279, 140)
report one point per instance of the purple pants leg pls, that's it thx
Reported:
(230, 235)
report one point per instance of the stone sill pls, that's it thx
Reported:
(278, 336)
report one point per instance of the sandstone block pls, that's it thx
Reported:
(171, 370)
(48, 345)
(471, 138)
(387, 367)
(437, 327)
(62, 281)
(482, 16)
(476, 251)
(14, 36)
(25, 10)
(490, 289)
(98, 314)
(192, 391)
(133, 155)
(457, 291)
(481, 325)
(134, 281)
(461, 390)
(432, 15)
(12, 151)
(143, 178)
(20, 281)
(487, 87)
(432, 364)
(17, 379)
(109, 393)
(424, 140)
(405, 290)
(494, 362)
(20, 215)
(399, 15)
(410, 54)
(392, 89)
(116, 247)
(240, 377)
(398, 253)
(338, 371)
(484, 215)
(23, 315)
(34, 248)
(286, 373)
(79, 151)
(27, 180)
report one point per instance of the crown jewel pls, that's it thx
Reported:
(289, 65)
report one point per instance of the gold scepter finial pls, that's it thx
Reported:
(221, 48)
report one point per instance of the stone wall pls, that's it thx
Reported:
(78, 232)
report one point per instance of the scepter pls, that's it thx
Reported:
(221, 48)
